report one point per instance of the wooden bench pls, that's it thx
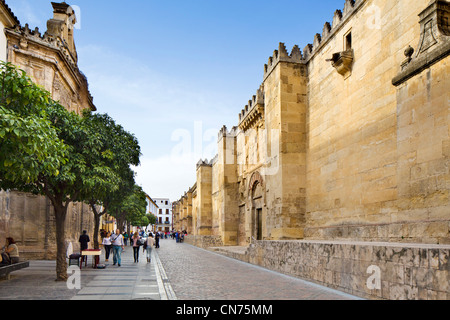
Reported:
(6, 270)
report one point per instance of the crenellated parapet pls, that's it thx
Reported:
(253, 112)
(204, 163)
(330, 29)
(223, 132)
(282, 55)
(26, 35)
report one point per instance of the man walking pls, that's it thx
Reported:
(117, 244)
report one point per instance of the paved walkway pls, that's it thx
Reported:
(177, 271)
(197, 274)
(131, 281)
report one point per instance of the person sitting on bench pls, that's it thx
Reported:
(10, 255)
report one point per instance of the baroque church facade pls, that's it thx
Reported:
(50, 59)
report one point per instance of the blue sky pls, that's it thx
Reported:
(174, 72)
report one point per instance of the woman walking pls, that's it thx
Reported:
(107, 245)
(148, 246)
(136, 240)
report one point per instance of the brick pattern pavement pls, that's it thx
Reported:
(197, 274)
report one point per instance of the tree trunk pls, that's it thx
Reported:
(97, 216)
(96, 230)
(120, 224)
(61, 263)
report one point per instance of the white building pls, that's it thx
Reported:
(152, 208)
(164, 216)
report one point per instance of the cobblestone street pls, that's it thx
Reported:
(197, 274)
(177, 272)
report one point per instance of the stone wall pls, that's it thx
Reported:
(347, 140)
(377, 165)
(30, 221)
(404, 271)
(204, 241)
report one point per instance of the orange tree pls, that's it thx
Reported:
(47, 150)
(118, 151)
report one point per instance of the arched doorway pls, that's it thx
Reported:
(257, 208)
(256, 195)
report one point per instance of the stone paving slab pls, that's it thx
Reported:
(129, 282)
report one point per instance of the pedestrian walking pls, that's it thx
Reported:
(149, 246)
(130, 236)
(117, 245)
(157, 236)
(125, 238)
(107, 245)
(136, 240)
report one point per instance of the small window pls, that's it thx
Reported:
(348, 41)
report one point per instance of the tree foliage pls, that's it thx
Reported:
(47, 150)
(29, 144)
(152, 219)
(109, 165)
(131, 207)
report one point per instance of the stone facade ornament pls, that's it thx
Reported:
(434, 43)
(343, 62)
(434, 25)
